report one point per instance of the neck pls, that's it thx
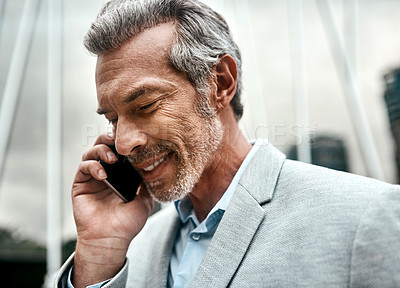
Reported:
(218, 175)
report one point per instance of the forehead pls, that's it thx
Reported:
(145, 52)
(140, 64)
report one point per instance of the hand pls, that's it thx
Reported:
(105, 224)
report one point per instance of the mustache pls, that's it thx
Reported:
(152, 152)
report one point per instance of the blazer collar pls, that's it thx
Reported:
(241, 220)
(262, 174)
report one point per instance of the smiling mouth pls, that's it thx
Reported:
(154, 165)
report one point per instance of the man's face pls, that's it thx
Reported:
(152, 108)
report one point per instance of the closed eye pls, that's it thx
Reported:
(145, 107)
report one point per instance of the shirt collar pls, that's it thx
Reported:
(184, 206)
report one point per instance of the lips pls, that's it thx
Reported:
(153, 168)
(155, 164)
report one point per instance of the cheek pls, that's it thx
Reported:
(174, 124)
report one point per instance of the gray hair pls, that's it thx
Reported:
(203, 36)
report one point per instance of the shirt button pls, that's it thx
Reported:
(196, 237)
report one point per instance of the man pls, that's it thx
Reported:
(168, 79)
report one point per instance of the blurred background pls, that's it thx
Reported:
(317, 74)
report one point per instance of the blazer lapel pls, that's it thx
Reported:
(240, 220)
(162, 250)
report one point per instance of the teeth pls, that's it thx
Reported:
(151, 167)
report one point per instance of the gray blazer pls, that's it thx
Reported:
(289, 224)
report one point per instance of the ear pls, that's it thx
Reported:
(226, 80)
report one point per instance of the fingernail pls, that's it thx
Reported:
(102, 173)
(111, 156)
(110, 135)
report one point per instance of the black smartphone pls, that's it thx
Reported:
(122, 178)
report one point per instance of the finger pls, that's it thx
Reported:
(88, 187)
(145, 199)
(143, 192)
(142, 206)
(88, 170)
(100, 152)
(105, 138)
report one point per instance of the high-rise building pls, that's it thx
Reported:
(392, 98)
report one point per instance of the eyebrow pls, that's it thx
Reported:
(135, 94)
(131, 97)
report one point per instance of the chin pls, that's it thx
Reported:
(162, 192)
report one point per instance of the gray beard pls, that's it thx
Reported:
(191, 163)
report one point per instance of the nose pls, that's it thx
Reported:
(128, 137)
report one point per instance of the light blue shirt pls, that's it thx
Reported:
(194, 238)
